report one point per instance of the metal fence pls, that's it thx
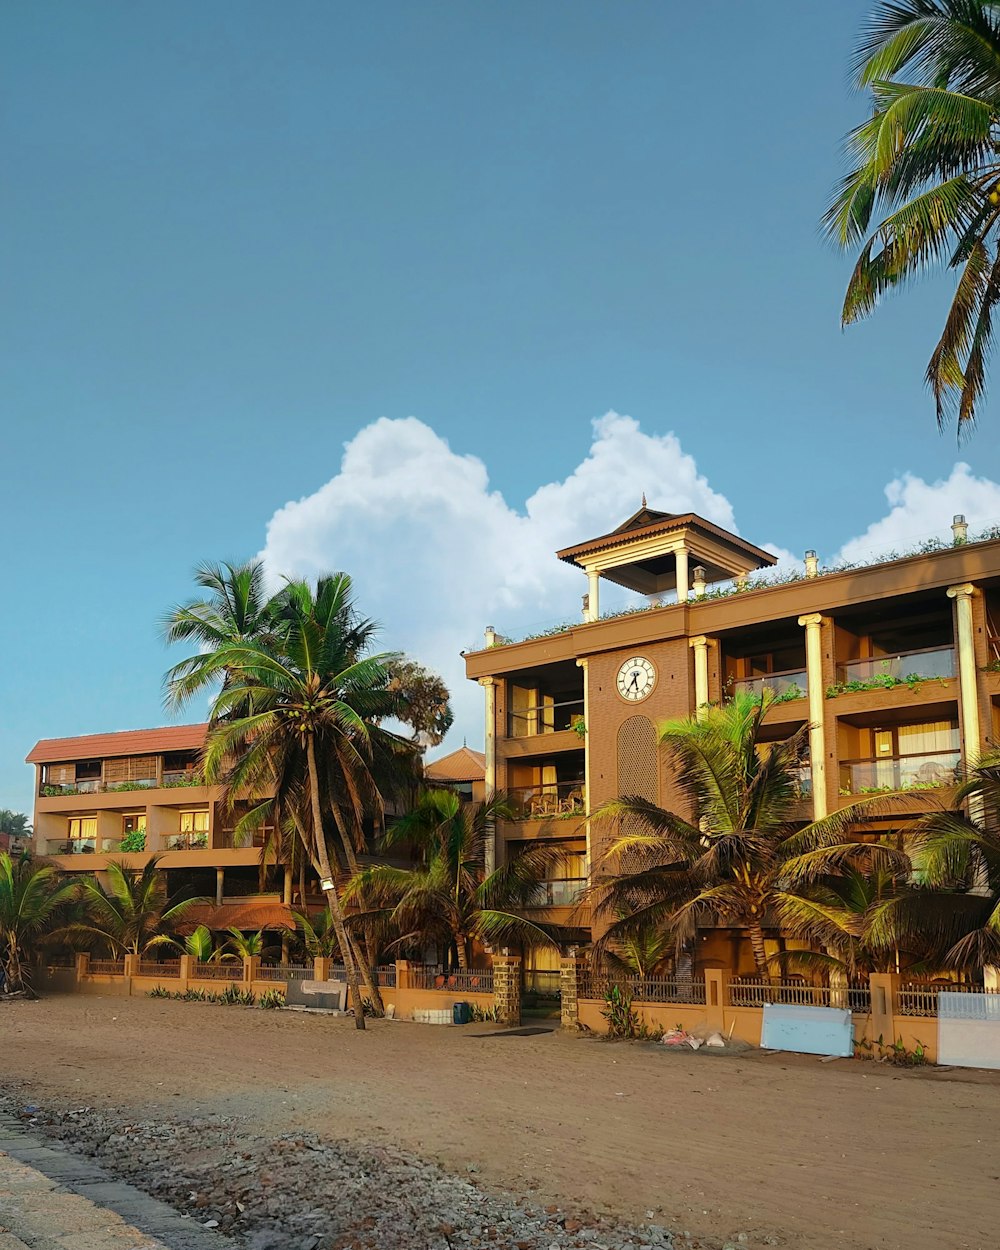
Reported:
(385, 976)
(920, 998)
(469, 981)
(107, 967)
(643, 989)
(750, 992)
(217, 972)
(281, 972)
(150, 968)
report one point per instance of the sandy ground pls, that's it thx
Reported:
(785, 1149)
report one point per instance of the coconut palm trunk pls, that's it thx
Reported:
(332, 897)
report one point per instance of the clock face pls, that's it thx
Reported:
(636, 679)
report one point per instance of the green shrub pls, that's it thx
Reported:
(274, 999)
(134, 840)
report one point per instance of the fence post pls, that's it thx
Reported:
(507, 989)
(82, 965)
(884, 987)
(185, 972)
(321, 968)
(131, 970)
(251, 969)
(569, 986)
(403, 974)
(716, 998)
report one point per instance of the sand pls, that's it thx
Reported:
(786, 1150)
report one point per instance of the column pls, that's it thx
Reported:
(507, 989)
(286, 894)
(681, 556)
(220, 877)
(568, 986)
(593, 594)
(489, 684)
(585, 665)
(700, 646)
(817, 709)
(968, 681)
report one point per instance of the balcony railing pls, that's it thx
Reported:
(892, 669)
(94, 785)
(558, 798)
(468, 981)
(238, 842)
(545, 718)
(72, 846)
(185, 842)
(926, 771)
(562, 893)
(792, 683)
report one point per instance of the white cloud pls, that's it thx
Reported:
(437, 555)
(919, 510)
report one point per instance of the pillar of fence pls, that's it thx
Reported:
(716, 998)
(251, 969)
(569, 989)
(321, 968)
(507, 988)
(186, 971)
(403, 980)
(884, 988)
(131, 965)
(82, 965)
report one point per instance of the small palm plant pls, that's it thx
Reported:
(31, 898)
(449, 898)
(740, 855)
(200, 944)
(133, 916)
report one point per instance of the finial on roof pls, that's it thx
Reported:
(644, 504)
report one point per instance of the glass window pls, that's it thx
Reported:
(939, 735)
(134, 822)
(81, 827)
(194, 822)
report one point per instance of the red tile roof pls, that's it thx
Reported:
(129, 742)
(254, 914)
(461, 765)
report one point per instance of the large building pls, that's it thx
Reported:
(126, 795)
(894, 667)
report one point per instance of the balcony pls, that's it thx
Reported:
(929, 770)
(545, 718)
(563, 893)
(556, 799)
(82, 846)
(793, 683)
(894, 670)
(184, 842)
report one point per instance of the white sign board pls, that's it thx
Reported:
(808, 1030)
(969, 1030)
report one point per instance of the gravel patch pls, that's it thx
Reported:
(303, 1192)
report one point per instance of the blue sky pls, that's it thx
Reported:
(236, 237)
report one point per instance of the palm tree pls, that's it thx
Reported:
(953, 912)
(449, 898)
(318, 935)
(297, 719)
(31, 897)
(200, 944)
(925, 169)
(133, 916)
(240, 945)
(743, 857)
(14, 824)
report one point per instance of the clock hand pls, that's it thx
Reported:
(635, 680)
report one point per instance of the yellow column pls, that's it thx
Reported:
(817, 707)
(968, 681)
(584, 664)
(700, 645)
(681, 556)
(489, 684)
(593, 595)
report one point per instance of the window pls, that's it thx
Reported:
(194, 822)
(82, 828)
(88, 770)
(134, 822)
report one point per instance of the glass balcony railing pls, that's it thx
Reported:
(793, 683)
(563, 893)
(82, 846)
(546, 718)
(892, 669)
(559, 798)
(926, 771)
(185, 841)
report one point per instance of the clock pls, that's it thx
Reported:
(636, 679)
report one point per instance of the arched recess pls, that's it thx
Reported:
(638, 774)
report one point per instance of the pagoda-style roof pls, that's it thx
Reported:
(641, 552)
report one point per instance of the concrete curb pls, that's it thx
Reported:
(75, 1174)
